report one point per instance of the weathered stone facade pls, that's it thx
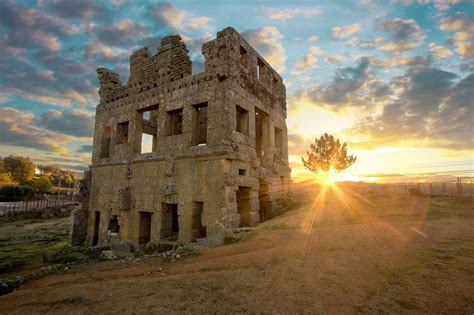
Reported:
(219, 153)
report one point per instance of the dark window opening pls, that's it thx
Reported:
(144, 235)
(175, 122)
(242, 172)
(262, 133)
(105, 143)
(114, 226)
(243, 56)
(242, 120)
(199, 231)
(122, 132)
(200, 124)
(243, 206)
(148, 124)
(169, 222)
(264, 202)
(259, 134)
(278, 138)
(95, 237)
(260, 69)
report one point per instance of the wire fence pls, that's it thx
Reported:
(462, 186)
(13, 208)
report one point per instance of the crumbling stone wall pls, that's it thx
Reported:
(81, 214)
(219, 152)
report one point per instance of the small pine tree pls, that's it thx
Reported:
(327, 153)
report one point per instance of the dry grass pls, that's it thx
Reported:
(342, 253)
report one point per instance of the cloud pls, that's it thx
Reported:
(312, 39)
(86, 148)
(74, 9)
(463, 26)
(429, 107)
(439, 4)
(365, 44)
(346, 81)
(335, 58)
(405, 35)
(286, 14)
(120, 33)
(168, 15)
(267, 41)
(18, 129)
(70, 122)
(342, 31)
(440, 51)
(310, 59)
(29, 28)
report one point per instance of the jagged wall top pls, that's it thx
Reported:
(223, 60)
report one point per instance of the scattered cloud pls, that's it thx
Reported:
(267, 41)
(312, 39)
(17, 129)
(70, 122)
(168, 15)
(310, 59)
(346, 82)
(365, 44)
(440, 51)
(463, 26)
(286, 14)
(405, 35)
(343, 31)
(335, 58)
(85, 148)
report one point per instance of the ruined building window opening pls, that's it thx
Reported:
(105, 143)
(242, 172)
(242, 120)
(122, 132)
(147, 122)
(243, 56)
(198, 230)
(243, 206)
(169, 222)
(259, 134)
(175, 122)
(278, 139)
(260, 69)
(200, 124)
(144, 228)
(95, 237)
(262, 133)
(114, 226)
(264, 201)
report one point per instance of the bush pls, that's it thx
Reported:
(42, 184)
(15, 193)
(5, 178)
(414, 192)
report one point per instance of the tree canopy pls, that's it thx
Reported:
(21, 169)
(327, 153)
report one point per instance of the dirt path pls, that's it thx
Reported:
(342, 254)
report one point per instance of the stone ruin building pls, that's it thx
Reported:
(217, 157)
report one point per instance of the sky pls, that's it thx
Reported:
(393, 79)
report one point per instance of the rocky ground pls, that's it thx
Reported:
(342, 253)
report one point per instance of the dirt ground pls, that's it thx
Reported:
(342, 253)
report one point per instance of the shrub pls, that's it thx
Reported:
(5, 178)
(42, 184)
(15, 193)
(414, 192)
